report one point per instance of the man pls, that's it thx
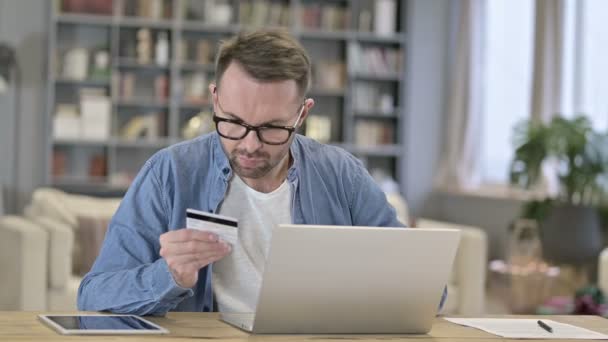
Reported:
(254, 168)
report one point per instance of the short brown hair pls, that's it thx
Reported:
(266, 55)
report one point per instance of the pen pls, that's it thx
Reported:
(544, 326)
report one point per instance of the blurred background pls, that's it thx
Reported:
(486, 115)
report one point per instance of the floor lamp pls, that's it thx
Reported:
(9, 72)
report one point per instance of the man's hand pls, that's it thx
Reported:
(188, 250)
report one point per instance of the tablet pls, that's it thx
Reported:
(97, 324)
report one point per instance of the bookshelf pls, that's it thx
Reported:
(143, 95)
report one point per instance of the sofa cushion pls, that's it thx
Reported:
(65, 207)
(89, 238)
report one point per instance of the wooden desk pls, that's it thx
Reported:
(24, 326)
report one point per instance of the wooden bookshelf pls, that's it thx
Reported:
(338, 41)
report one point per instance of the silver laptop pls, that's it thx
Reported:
(335, 279)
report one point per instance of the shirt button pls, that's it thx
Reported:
(225, 171)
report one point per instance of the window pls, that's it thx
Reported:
(509, 60)
(592, 70)
(508, 77)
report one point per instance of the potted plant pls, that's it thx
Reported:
(569, 219)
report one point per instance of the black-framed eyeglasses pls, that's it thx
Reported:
(235, 129)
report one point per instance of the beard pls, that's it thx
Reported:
(264, 164)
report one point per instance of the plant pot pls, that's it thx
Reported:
(571, 235)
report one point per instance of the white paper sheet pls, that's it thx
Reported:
(528, 328)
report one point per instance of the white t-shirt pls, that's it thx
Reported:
(237, 277)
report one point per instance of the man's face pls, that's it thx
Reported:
(241, 97)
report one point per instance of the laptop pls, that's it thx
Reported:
(351, 280)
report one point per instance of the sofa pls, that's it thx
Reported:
(602, 272)
(40, 251)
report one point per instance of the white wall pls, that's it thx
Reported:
(23, 24)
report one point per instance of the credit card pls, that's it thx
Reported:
(226, 228)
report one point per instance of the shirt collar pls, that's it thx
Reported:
(222, 164)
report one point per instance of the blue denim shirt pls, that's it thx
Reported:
(329, 187)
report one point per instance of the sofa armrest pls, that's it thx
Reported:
(602, 272)
(60, 248)
(469, 266)
(23, 260)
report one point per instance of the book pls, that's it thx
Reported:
(318, 127)
(373, 133)
(95, 111)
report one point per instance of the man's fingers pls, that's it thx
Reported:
(192, 247)
(192, 262)
(184, 235)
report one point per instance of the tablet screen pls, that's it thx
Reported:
(101, 323)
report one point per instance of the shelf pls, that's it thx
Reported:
(394, 114)
(192, 106)
(116, 142)
(89, 185)
(82, 83)
(325, 35)
(147, 103)
(375, 151)
(127, 155)
(132, 63)
(85, 19)
(141, 143)
(137, 22)
(327, 93)
(392, 77)
(193, 66)
(76, 142)
(370, 37)
(69, 181)
(199, 26)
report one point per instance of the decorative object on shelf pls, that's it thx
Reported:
(324, 17)
(370, 98)
(161, 88)
(318, 127)
(152, 9)
(365, 20)
(66, 122)
(155, 9)
(204, 52)
(144, 46)
(142, 126)
(76, 64)
(258, 13)
(373, 133)
(374, 60)
(201, 123)
(95, 112)
(59, 164)
(220, 12)
(101, 66)
(196, 89)
(385, 15)
(576, 157)
(386, 104)
(162, 49)
(98, 166)
(330, 75)
(127, 85)
(98, 7)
